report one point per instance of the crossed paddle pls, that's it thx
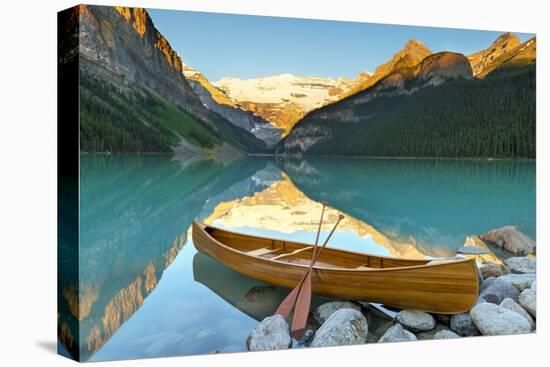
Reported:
(300, 297)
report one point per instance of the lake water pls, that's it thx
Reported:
(144, 290)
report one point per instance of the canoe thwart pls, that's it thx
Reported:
(262, 251)
(291, 253)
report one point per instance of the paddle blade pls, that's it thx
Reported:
(301, 311)
(288, 303)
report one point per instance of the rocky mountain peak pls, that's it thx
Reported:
(410, 55)
(138, 17)
(506, 40)
(413, 45)
(484, 61)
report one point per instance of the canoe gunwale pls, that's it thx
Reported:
(433, 263)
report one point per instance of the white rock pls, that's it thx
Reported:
(415, 321)
(446, 334)
(397, 334)
(528, 300)
(521, 265)
(520, 281)
(492, 319)
(270, 334)
(344, 327)
(513, 306)
(534, 285)
(323, 312)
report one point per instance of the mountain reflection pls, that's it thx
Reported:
(434, 204)
(135, 214)
(283, 208)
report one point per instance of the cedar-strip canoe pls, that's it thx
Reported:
(446, 286)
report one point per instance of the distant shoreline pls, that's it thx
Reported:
(286, 156)
(389, 157)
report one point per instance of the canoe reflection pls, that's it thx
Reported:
(252, 297)
(259, 300)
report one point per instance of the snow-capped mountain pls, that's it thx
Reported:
(284, 99)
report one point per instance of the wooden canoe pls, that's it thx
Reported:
(446, 286)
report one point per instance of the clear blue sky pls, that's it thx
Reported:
(246, 46)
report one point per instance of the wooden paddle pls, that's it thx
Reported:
(288, 303)
(301, 311)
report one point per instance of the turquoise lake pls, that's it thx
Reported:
(146, 292)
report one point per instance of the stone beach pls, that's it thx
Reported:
(506, 306)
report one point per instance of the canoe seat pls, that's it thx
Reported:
(262, 251)
(291, 253)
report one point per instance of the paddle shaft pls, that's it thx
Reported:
(303, 302)
(288, 303)
(318, 231)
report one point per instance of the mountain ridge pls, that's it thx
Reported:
(121, 47)
(289, 107)
(350, 125)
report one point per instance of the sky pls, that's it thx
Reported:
(244, 46)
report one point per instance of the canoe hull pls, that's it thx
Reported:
(448, 287)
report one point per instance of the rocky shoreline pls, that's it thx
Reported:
(506, 306)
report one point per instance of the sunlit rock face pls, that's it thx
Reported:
(506, 51)
(484, 59)
(123, 43)
(410, 55)
(284, 208)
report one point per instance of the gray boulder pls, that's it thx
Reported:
(270, 334)
(520, 281)
(446, 334)
(323, 312)
(513, 306)
(494, 290)
(426, 335)
(491, 269)
(521, 265)
(534, 285)
(528, 300)
(511, 239)
(492, 319)
(463, 325)
(346, 326)
(415, 321)
(397, 334)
